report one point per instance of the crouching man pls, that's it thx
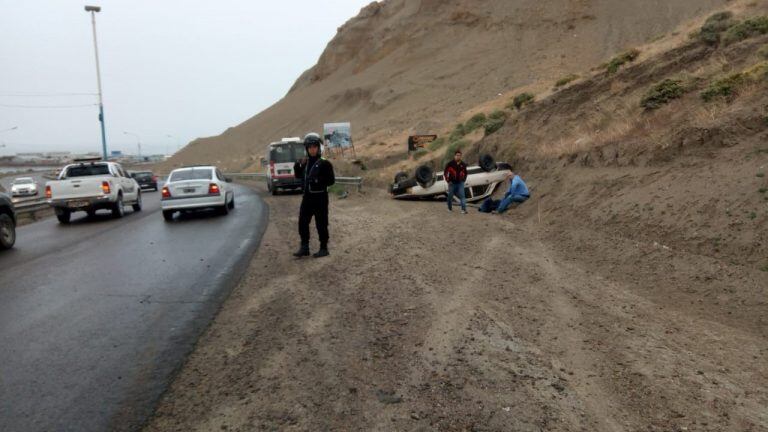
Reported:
(517, 193)
(317, 175)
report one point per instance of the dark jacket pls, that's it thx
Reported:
(455, 172)
(317, 175)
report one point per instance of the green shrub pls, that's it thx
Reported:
(724, 87)
(521, 100)
(498, 114)
(762, 190)
(763, 52)
(493, 125)
(760, 175)
(458, 132)
(436, 144)
(747, 29)
(715, 24)
(566, 80)
(662, 93)
(622, 59)
(477, 121)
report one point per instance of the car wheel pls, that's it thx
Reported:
(401, 177)
(168, 215)
(425, 176)
(487, 163)
(232, 203)
(63, 216)
(273, 190)
(224, 210)
(118, 210)
(7, 232)
(137, 204)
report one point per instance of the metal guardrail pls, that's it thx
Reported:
(348, 181)
(24, 206)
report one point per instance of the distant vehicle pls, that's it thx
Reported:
(482, 181)
(92, 185)
(145, 179)
(194, 188)
(281, 157)
(7, 222)
(24, 186)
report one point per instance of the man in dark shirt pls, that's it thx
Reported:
(317, 175)
(455, 175)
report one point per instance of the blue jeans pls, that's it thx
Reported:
(458, 190)
(508, 200)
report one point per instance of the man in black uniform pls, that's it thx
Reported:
(317, 174)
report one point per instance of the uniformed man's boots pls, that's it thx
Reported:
(302, 252)
(323, 252)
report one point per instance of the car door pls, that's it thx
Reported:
(130, 189)
(228, 189)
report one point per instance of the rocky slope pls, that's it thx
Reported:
(405, 66)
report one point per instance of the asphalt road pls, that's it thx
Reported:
(96, 316)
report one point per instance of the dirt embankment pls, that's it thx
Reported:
(579, 311)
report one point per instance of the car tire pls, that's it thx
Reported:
(168, 215)
(487, 163)
(425, 176)
(63, 216)
(401, 177)
(118, 209)
(7, 231)
(232, 203)
(137, 204)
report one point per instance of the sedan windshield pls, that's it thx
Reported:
(191, 174)
(23, 181)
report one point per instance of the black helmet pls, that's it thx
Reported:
(313, 139)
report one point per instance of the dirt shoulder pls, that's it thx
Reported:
(520, 327)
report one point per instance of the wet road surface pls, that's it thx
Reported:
(95, 316)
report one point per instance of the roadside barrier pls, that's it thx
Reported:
(347, 181)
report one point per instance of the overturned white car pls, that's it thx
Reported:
(482, 181)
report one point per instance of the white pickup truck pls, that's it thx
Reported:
(90, 186)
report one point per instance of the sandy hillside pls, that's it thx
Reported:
(405, 66)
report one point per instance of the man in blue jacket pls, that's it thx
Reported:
(517, 193)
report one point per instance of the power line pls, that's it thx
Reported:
(45, 94)
(47, 106)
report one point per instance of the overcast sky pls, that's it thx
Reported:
(177, 67)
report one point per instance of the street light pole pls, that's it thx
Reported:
(93, 10)
(138, 141)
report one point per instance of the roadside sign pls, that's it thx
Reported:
(416, 142)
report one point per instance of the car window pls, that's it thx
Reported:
(87, 170)
(22, 181)
(191, 174)
(142, 175)
(280, 154)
